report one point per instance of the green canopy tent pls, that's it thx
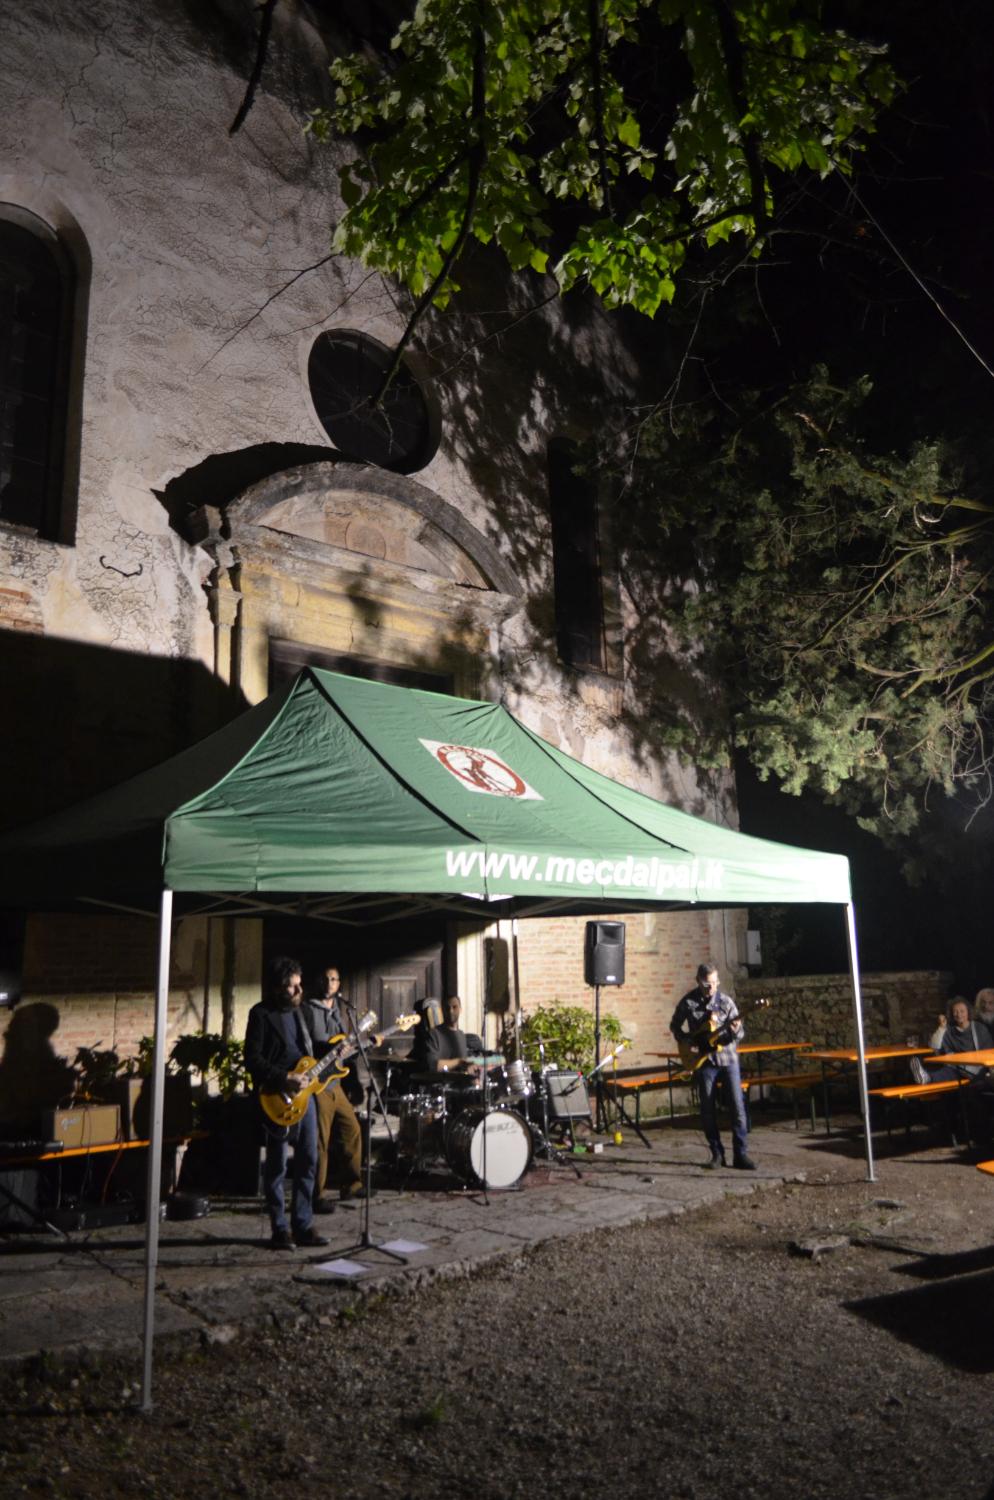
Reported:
(353, 801)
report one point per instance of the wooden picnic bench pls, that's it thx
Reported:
(792, 1083)
(637, 1081)
(902, 1093)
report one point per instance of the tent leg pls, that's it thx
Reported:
(864, 1097)
(154, 1182)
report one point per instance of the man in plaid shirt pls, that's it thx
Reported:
(707, 1020)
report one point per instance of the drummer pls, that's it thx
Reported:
(450, 1050)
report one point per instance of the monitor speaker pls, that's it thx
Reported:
(604, 953)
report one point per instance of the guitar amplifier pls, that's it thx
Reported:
(568, 1097)
(83, 1125)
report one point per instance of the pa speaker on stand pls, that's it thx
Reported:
(604, 954)
(603, 963)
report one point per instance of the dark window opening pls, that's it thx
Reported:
(345, 372)
(12, 925)
(36, 295)
(287, 658)
(576, 563)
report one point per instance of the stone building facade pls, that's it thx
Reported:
(192, 505)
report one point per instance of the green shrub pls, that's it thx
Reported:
(567, 1032)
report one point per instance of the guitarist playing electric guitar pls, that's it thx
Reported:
(276, 1039)
(708, 1022)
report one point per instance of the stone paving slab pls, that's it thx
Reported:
(217, 1274)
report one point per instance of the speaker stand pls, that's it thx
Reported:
(601, 1125)
(600, 1103)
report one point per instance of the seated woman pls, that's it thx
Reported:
(958, 1034)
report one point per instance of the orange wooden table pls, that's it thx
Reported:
(983, 1055)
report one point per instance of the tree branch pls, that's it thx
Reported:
(731, 47)
(265, 26)
(477, 160)
(594, 13)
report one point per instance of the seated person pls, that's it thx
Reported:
(429, 1016)
(983, 1008)
(958, 1034)
(447, 1049)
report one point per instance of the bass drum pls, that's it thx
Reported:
(492, 1148)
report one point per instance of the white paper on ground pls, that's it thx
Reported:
(403, 1247)
(340, 1267)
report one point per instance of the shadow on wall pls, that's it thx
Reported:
(81, 718)
(222, 476)
(512, 379)
(32, 1077)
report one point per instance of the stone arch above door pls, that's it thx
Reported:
(378, 516)
(349, 560)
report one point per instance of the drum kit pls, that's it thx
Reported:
(487, 1133)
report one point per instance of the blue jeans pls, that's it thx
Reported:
(708, 1075)
(303, 1137)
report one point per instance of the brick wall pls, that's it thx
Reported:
(19, 610)
(662, 951)
(99, 974)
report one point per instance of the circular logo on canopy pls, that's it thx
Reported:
(481, 770)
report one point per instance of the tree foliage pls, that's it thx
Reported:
(600, 139)
(839, 596)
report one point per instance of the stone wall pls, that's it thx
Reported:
(818, 1008)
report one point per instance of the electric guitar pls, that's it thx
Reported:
(285, 1109)
(696, 1048)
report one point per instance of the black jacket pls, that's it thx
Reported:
(268, 1056)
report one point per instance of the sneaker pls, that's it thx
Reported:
(744, 1163)
(309, 1239)
(919, 1072)
(325, 1206)
(717, 1160)
(281, 1239)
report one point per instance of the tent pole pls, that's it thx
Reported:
(154, 1182)
(864, 1098)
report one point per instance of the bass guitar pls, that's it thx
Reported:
(696, 1048)
(286, 1109)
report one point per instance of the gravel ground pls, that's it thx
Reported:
(699, 1356)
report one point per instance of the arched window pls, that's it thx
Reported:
(37, 451)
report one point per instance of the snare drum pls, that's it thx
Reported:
(491, 1148)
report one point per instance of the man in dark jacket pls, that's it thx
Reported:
(276, 1038)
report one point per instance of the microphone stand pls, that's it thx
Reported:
(365, 1240)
